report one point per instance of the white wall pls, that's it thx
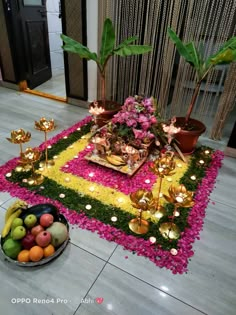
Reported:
(54, 31)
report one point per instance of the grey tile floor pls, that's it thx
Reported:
(93, 268)
(55, 86)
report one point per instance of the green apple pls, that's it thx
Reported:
(30, 220)
(16, 222)
(18, 233)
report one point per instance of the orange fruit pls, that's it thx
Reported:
(36, 253)
(23, 256)
(48, 250)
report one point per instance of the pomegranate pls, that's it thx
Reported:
(46, 219)
(37, 229)
(28, 241)
(43, 238)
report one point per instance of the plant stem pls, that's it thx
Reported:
(195, 94)
(192, 103)
(103, 82)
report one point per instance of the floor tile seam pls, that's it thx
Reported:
(87, 251)
(106, 262)
(222, 203)
(153, 286)
(2, 204)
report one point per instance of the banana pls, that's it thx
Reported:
(18, 204)
(7, 226)
(115, 160)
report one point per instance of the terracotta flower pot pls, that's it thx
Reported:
(111, 108)
(187, 139)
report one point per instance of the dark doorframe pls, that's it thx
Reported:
(74, 24)
(17, 58)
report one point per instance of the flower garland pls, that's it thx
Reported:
(160, 253)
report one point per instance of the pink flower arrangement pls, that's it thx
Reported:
(136, 118)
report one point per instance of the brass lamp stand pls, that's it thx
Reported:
(45, 126)
(20, 136)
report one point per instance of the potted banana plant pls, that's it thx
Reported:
(192, 128)
(107, 50)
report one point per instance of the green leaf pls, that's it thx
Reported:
(126, 42)
(180, 46)
(108, 41)
(195, 56)
(73, 46)
(132, 50)
(226, 54)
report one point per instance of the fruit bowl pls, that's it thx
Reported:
(58, 251)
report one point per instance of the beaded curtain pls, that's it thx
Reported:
(162, 73)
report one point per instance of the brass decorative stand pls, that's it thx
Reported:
(45, 126)
(181, 198)
(31, 156)
(141, 200)
(20, 136)
(162, 167)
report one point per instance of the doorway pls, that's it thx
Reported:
(55, 86)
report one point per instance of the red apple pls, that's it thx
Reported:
(28, 241)
(46, 219)
(43, 238)
(37, 229)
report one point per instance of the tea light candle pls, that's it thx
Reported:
(79, 129)
(193, 177)
(147, 181)
(91, 188)
(201, 162)
(173, 251)
(207, 152)
(65, 137)
(8, 174)
(179, 199)
(62, 195)
(91, 174)
(49, 146)
(55, 157)
(67, 179)
(169, 179)
(114, 219)
(152, 239)
(120, 200)
(176, 213)
(179, 165)
(88, 207)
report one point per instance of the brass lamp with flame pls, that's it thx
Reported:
(141, 200)
(162, 167)
(31, 156)
(46, 126)
(20, 136)
(95, 110)
(180, 197)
